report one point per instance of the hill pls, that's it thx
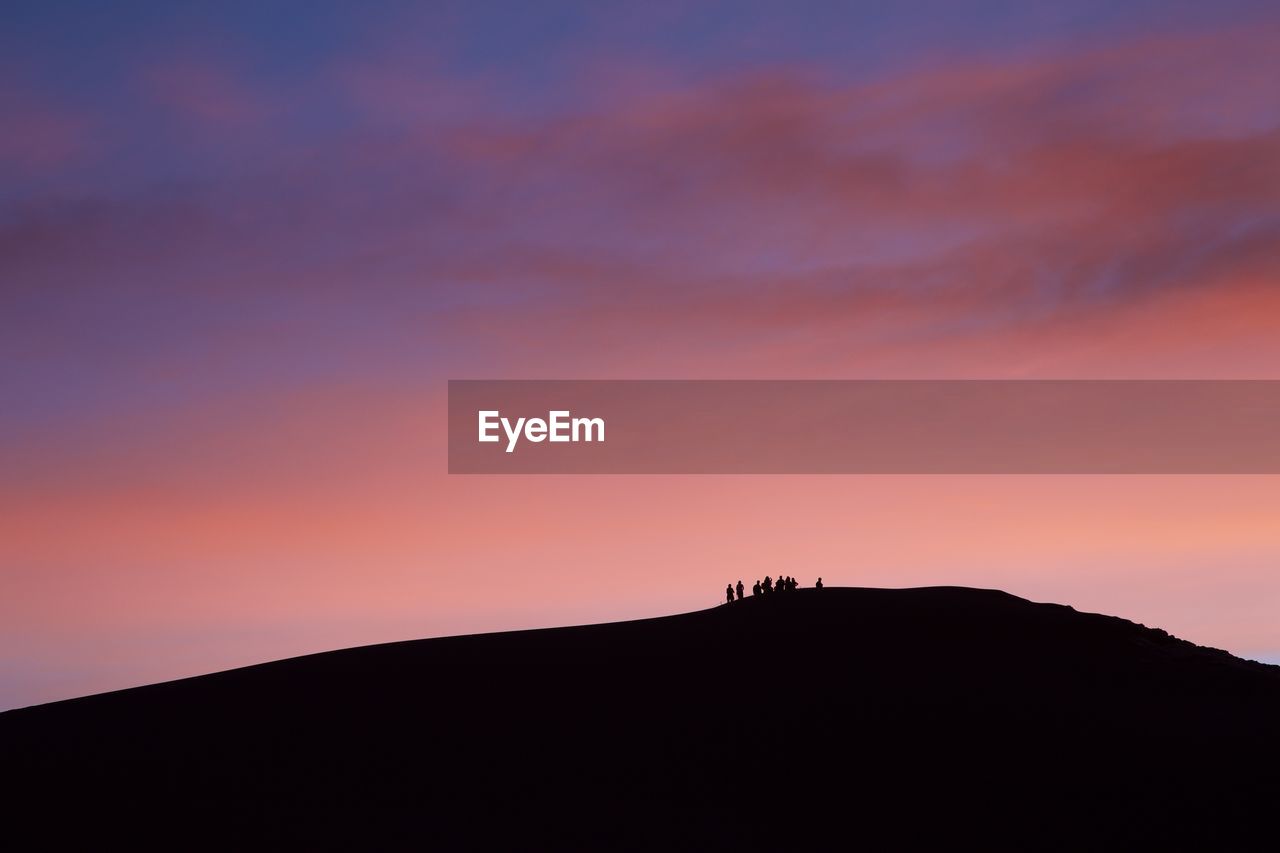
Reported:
(937, 715)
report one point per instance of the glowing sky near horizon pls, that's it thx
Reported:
(243, 246)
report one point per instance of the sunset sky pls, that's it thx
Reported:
(243, 246)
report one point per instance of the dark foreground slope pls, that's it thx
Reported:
(935, 715)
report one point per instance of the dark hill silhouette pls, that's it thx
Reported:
(935, 715)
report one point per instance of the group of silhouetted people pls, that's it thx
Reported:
(767, 587)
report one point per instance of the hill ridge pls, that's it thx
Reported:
(951, 700)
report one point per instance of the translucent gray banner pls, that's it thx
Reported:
(863, 427)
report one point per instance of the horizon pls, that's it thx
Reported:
(652, 617)
(242, 251)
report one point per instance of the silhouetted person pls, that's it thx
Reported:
(768, 585)
(755, 590)
(728, 593)
(741, 589)
(818, 585)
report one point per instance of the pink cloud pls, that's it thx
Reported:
(991, 208)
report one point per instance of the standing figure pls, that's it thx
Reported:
(741, 589)
(755, 590)
(818, 585)
(728, 593)
(767, 586)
